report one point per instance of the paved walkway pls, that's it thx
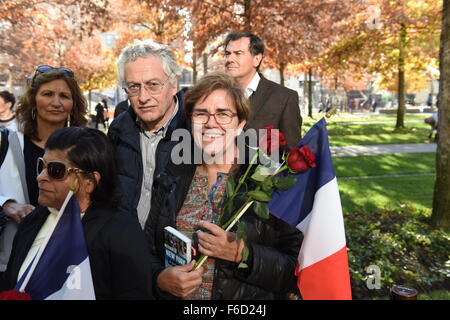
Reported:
(379, 122)
(349, 151)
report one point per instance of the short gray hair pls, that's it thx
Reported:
(145, 49)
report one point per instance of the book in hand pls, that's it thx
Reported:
(177, 248)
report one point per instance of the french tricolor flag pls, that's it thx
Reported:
(61, 269)
(313, 205)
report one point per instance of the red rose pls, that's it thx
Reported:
(300, 159)
(265, 143)
(14, 295)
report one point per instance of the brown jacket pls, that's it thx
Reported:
(273, 104)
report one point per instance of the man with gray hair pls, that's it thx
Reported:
(142, 135)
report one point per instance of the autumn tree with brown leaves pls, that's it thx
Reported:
(441, 203)
(94, 65)
(394, 39)
(36, 32)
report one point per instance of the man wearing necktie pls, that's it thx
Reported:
(271, 103)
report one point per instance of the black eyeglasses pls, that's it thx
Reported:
(221, 117)
(46, 68)
(56, 170)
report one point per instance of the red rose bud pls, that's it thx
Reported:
(265, 142)
(300, 159)
(14, 295)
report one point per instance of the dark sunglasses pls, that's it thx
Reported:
(55, 169)
(46, 68)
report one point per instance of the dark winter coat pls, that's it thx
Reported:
(274, 245)
(124, 134)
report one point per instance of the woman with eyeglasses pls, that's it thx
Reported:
(119, 258)
(52, 100)
(190, 196)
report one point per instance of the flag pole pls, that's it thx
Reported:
(44, 244)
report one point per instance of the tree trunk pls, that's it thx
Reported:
(335, 93)
(248, 15)
(401, 80)
(194, 68)
(10, 82)
(205, 63)
(281, 70)
(310, 93)
(90, 102)
(441, 201)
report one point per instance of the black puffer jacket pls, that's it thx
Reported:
(124, 134)
(273, 245)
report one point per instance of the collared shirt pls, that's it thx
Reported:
(253, 85)
(149, 143)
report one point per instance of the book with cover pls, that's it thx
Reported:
(177, 248)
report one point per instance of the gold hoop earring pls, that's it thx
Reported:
(68, 120)
(33, 114)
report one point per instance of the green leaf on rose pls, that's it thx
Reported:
(284, 183)
(230, 185)
(259, 195)
(261, 209)
(245, 253)
(267, 185)
(228, 208)
(261, 173)
(240, 233)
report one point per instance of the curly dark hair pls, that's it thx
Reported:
(27, 102)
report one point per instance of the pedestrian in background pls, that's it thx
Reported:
(7, 116)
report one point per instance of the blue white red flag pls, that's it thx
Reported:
(61, 269)
(313, 206)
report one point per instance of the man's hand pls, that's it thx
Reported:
(17, 211)
(180, 280)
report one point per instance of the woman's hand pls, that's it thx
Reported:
(17, 211)
(180, 280)
(219, 243)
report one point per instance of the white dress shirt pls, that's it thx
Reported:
(253, 85)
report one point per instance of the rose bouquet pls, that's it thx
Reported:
(259, 181)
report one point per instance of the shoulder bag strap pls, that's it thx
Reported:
(16, 149)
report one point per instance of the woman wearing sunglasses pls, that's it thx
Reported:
(52, 100)
(119, 258)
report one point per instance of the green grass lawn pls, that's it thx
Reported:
(389, 193)
(401, 163)
(347, 117)
(371, 134)
(373, 128)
